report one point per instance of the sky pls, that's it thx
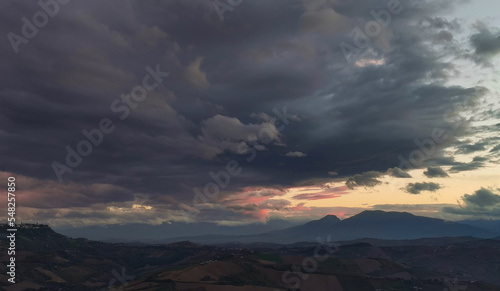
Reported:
(240, 111)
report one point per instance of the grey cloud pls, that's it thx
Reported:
(482, 198)
(366, 179)
(443, 23)
(416, 188)
(495, 148)
(440, 161)
(195, 76)
(483, 203)
(349, 118)
(475, 164)
(433, 172)
(443, 35)
(485, 42)
(479, 159)
(275, 204)
(470, 148)
(398, 173)
(229, 133)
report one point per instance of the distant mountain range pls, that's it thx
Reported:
(367, 224)
(147, 232)
(492, 225)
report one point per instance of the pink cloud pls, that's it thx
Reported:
(325, 194)
(36, 193)
(300, 207)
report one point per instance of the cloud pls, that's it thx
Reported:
(483, 203)
(443, 23)
(443, 36)
(398, 173)
(275, 204)
(323, 20)
(300, 207)
(229, 133)
(433, 172)
(416, 188)
(293, 77)
(485, 43)
(44, 194)
(470, 148)
(195, 76)
(366, 179)
(325, 194)
(440, 161)
(295, 154)
(475, 164)
(495, 148)
(482, 198)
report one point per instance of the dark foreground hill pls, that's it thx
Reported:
(49, 261)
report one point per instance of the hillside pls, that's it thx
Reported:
(50, 261)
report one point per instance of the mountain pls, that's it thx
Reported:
(403, 225)
(492, 225)
(140, 232)
(299, 232)
(367, 224)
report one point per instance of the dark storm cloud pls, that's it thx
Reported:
(433, 172)
(416, 188)
(470, 148)
(443, 36)
(440, 161)
(496, 148)
(482, 198)
(367, 179)
(483, 202)
(479, 159)
(398, 173)
(459, 167)
(485, 42)
(442, 28)
(225, 78)
(442, 23)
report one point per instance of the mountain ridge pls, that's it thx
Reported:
(375, 224)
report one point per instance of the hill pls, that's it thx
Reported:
(50, 261)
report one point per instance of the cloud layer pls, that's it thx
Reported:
(268, 87)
